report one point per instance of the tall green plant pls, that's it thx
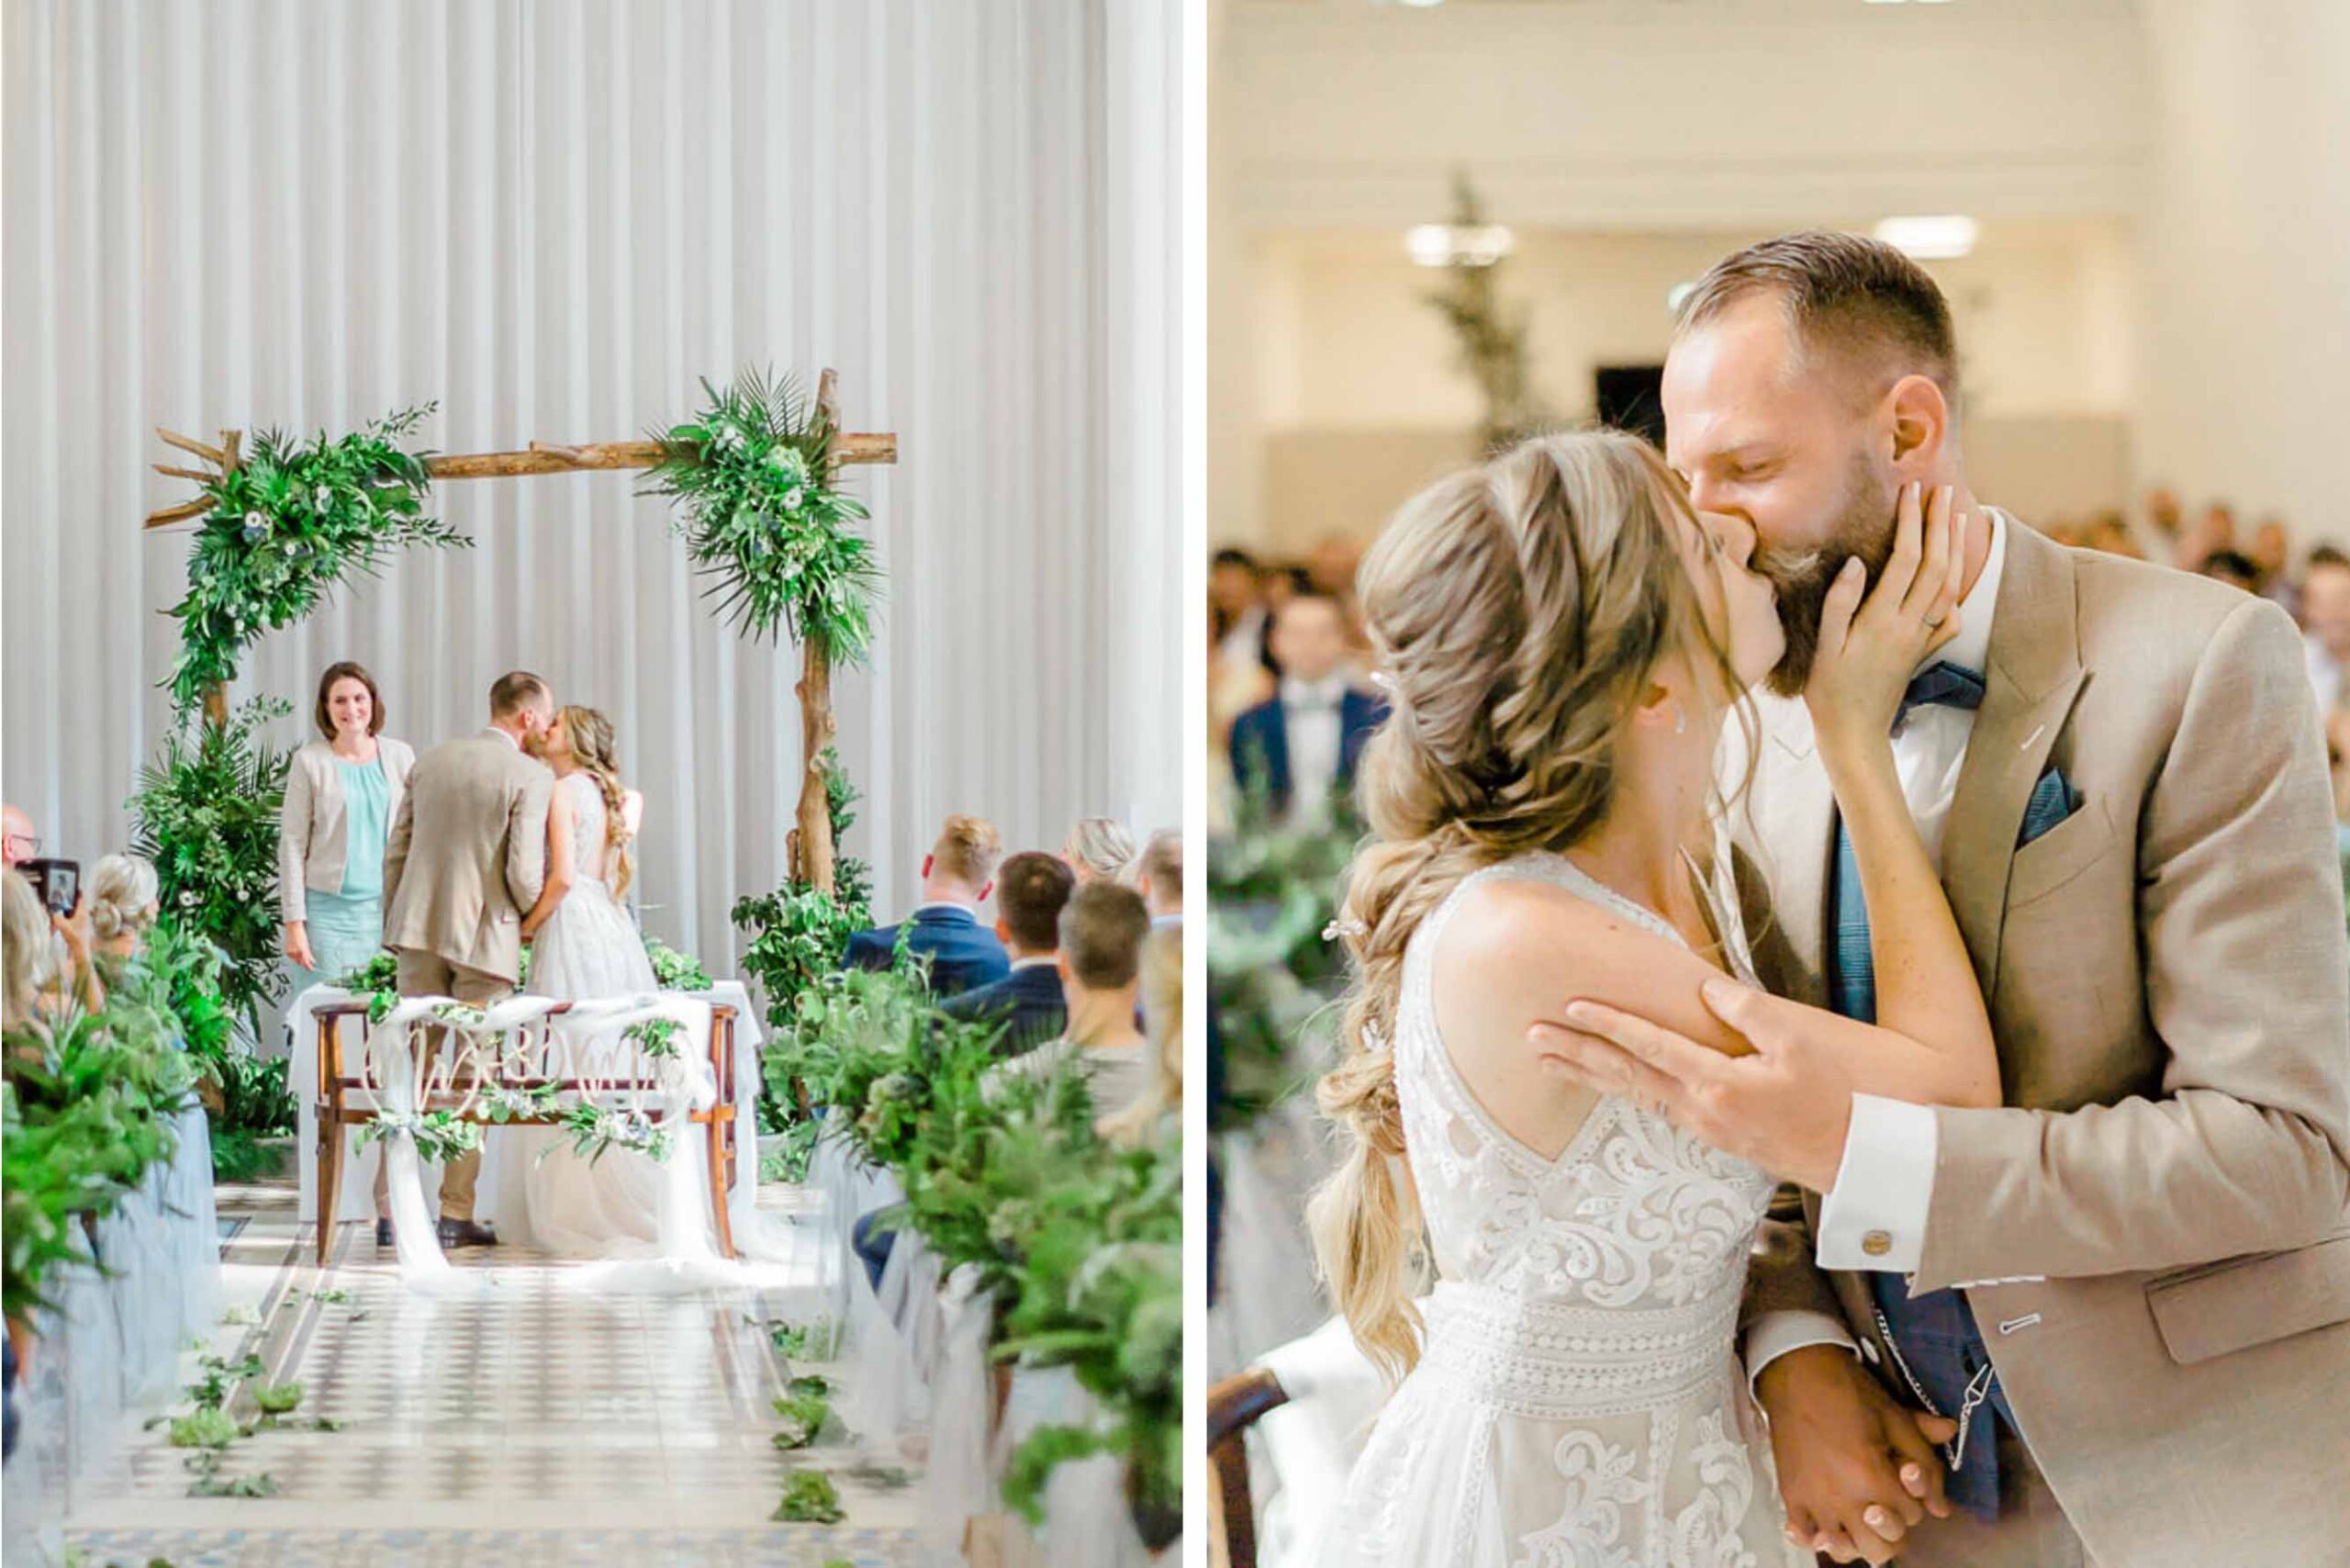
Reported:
(284, 528)
(206, 813)
(752, 475)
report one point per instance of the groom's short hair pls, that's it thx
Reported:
(1845, 293)
(515, 690)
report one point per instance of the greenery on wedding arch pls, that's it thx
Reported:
(751, 476)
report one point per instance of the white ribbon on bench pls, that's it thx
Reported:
(588, 1050)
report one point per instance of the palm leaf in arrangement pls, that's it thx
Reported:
(752, 476)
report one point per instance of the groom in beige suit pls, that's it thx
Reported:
(2143, 1264)
(466, 861)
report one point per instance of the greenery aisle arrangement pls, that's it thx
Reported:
(88, 1108)
(1078, 1240)
(1274, 965)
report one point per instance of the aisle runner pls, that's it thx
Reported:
(535, 1425)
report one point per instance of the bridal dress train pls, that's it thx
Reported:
(1579, 1401)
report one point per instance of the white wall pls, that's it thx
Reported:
(2247, 323)
(1356, 390)
(554, 215)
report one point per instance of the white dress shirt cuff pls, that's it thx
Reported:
(1775, 1334)
(1875, 1217)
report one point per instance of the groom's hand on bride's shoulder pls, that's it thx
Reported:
(1786, 1107)
(1857, 1470)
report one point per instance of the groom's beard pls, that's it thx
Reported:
(1863, 527)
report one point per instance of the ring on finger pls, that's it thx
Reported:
(1934, 623)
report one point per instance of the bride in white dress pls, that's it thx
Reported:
(1562, 641)
(584, 945)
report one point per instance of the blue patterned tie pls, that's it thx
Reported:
(1951, 686)
(1942, 1357)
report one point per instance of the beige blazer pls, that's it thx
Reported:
(467, 854)
(2170, 986)
(313, 835)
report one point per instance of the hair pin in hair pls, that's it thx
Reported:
(1381, 679)
(1344, 927)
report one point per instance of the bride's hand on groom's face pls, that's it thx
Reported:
(1869, 646)
(1786, 1107)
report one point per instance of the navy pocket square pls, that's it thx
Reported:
(2053, 799)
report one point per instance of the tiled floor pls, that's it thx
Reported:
(544, 1422)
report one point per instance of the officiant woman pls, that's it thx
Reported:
(341, 793)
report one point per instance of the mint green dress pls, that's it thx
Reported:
(346, 927)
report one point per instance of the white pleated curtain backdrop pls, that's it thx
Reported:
(554, 216)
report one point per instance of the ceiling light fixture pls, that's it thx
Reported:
(1938, 239)
(1458, 245)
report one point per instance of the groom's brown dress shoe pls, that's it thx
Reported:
(466, 1233)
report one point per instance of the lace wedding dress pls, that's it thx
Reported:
(1579, 1401)
(587, 950)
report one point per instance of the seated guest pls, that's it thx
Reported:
(1101, 934)
(1160, 878)
(956, 877)
(124, 902)
(1100, 849)
(1302, 747)
(1031, 890)
(2326, 611)
(1157, 1108)
(18, 842)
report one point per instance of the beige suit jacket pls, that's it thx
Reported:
(467, 854)
(2170, 984)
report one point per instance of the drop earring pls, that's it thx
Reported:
(1681, 721)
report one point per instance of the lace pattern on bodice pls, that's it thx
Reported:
(1637, 1232)
(590, 841)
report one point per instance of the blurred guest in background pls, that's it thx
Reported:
(1301, 748)
(1236, 608)
(2163, 517)
(2109, 530)
(2233, 568)
(2325, 611)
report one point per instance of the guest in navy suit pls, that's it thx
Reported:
(956, 877)
(1030, 894)
(1302, 747)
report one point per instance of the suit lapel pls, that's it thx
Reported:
(2028, 692)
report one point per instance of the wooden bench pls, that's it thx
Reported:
(335, 1113)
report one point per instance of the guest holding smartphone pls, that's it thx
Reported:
(341, 793)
